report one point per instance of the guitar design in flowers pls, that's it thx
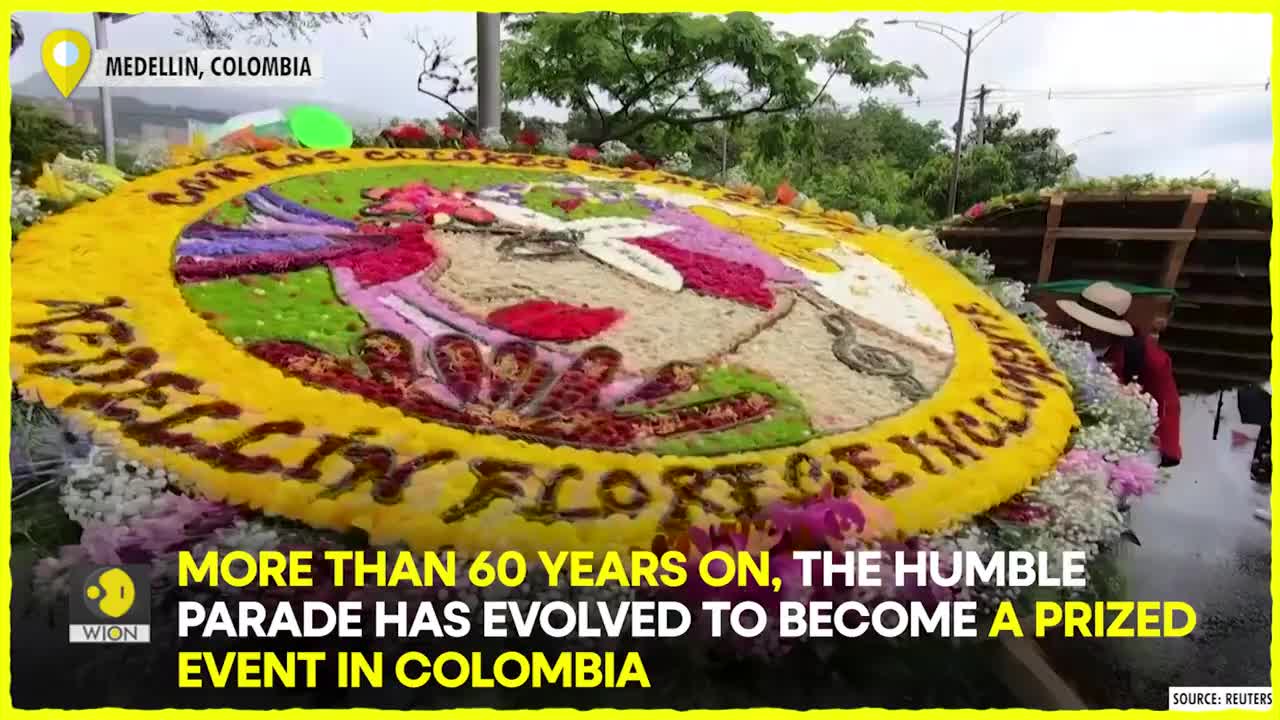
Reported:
(514, 392)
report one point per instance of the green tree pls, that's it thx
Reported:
(1035, 156)
(985, 172)
(37, 136)
(1010, 160)
(863, 161)
(627, 72)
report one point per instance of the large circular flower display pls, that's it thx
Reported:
(484, 350)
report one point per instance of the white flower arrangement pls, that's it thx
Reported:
(492, 138)
(151, 157)
(614, 151)
(103, 487)
(556, 142)
(678, 163)
(735, 176)
(24, 204)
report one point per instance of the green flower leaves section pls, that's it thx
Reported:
(300, 306)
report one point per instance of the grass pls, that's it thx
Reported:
(300, 306)
(788, 424)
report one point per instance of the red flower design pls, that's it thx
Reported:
(584, 152)
(711, 275)
(407, 132)
(528, 138)
(516, 392)
(553, 321)
(421, 200)
(785, 194)
(411, 253)
(568, 204)
(470, 142)
(636, 161)
(1020, 510)
(450, 132)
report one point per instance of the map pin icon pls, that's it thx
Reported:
(65, 54)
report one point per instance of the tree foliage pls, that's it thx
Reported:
(220, 30)
(627, 72)
(37, 136)
(1036, 158)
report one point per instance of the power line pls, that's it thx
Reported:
(1006, 95)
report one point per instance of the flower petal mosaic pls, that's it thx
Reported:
(486, 350)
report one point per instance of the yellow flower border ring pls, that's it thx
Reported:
(101, 331)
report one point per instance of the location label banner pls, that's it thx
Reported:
(203, 68)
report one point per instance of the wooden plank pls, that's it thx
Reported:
(1029, 676)
(1236, 271)
(1217, 352)
(1232, 300)
(1228, 234)
(1050, 241)
(1177, 253)
(1160, 234)
(1123, 233)
(1252, 330)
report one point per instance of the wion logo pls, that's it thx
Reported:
(111, 605)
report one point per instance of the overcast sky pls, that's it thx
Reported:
(1171, 94)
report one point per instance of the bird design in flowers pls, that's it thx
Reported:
(621, 318)
(505, 371)
(516, 391)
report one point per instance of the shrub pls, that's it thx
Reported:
(38, 136)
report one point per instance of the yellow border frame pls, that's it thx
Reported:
(1254, 6)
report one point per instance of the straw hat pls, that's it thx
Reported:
(1102, 306)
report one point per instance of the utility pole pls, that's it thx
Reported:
(955, 161)
(982, 114)
(724, 151)
(970, 45)
(104, 94)
(488, 71)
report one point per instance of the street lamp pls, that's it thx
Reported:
(1104, 133)
(982, 32)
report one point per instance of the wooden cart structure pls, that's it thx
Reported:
(1207, 256)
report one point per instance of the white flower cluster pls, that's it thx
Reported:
(555, 142)
(735, 176)
(24, 204)
(103, 487)
(81, 171)
(1012, 295)
(492, 138)
(678, 163)
(1086, 514)
(150, 157)
(1120, 428)
(251, 536)
(614, 151)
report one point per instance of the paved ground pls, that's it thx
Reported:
(1201, 545)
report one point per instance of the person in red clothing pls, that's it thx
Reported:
(1100, 313)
